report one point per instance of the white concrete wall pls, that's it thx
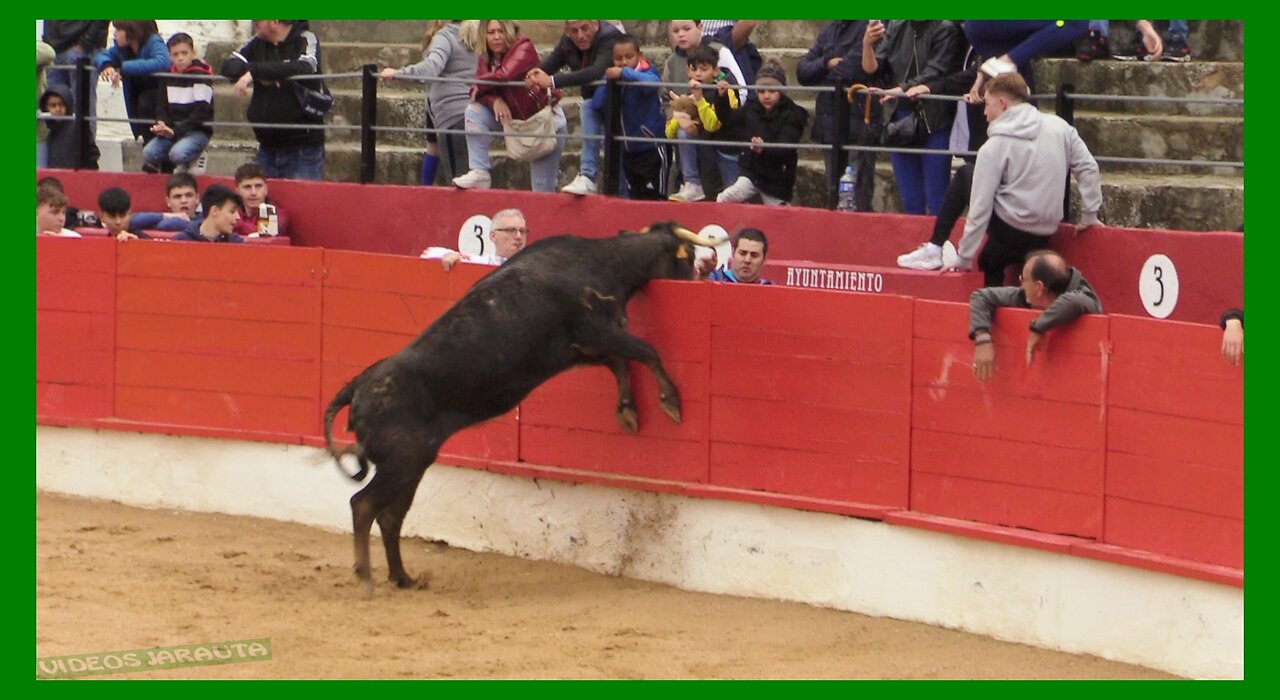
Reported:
(1179, 625)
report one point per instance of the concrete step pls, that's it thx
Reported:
(1163, 136)
(1197, 79)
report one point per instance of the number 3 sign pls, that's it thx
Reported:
(1158, 286)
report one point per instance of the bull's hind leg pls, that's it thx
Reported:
(363, 511)
(390, 521)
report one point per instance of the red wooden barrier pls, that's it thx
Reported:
(1122, 442)
(1025, 450)
(218, 336)
(810, 393)
(1175, 443)
(75, 327)
(404, 220)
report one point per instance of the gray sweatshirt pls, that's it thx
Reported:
(446, 56)
(1079, 299)
(1021, 171)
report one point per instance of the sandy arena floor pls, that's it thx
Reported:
(111, 577)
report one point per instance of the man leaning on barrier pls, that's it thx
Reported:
(1045, 283)
(280, 49)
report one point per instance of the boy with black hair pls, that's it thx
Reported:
(702, 69)
(644, 164)
(221, 207)
(116, 206)
(56, 102)
(183, 108)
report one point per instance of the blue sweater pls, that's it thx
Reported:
(641, 109)
(136, 70)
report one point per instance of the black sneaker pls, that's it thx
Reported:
(1136, 50)
(1176, 49)
(1093, 46)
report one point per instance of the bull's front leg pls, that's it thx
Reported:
(628, 419)
(620, 346)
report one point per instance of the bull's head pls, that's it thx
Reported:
(679, 265)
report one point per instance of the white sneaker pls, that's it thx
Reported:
(949, 256)
(580, 185)
(200, 166)
(926, 257)
(689, 192)
(473, 180)
(740, 191)
(995, 66)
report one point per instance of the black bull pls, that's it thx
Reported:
(560, 302)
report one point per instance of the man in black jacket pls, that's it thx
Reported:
(833, 60)
(281, 49)
(72, 39)
(586, 49)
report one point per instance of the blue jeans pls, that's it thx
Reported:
(922, 178)
(306, 163)
(1177, 27)
(544, 172)
(592, 125)
(689, 154)
(184, 151)
(1023, 40)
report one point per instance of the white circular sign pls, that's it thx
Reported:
(723, 247)
(1158, 286)
(473, 237)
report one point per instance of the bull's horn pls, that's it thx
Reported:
(685, 234)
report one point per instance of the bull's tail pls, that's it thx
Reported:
(344, 399)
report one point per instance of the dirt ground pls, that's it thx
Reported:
(111, 577)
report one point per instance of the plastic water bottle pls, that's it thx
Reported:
(848, 183)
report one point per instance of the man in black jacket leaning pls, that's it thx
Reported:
(280, 49)
(586, 49)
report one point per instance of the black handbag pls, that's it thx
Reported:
(907, 131)
(315, 103)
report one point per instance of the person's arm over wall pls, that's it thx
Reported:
(984, 302)
(1085, 169)
(1065, 309)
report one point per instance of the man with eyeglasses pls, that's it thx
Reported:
(508, 233)
(1046, 283)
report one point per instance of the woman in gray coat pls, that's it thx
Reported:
(444, 55)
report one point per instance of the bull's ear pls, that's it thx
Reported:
(682, 252)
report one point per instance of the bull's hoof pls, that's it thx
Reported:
(672, 409)
(366, 589)
(628, 420)
(405, 582)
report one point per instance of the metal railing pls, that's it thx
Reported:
(839, 148)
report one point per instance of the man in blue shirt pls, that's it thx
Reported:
(749, 253)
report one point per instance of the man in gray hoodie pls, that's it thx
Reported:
(1019, 179)
(1046, 283)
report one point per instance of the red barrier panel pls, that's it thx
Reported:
(810, 393)
(405, 220)
(570, 421)
(1025, 450)
(1175, 443)
(218, 336)
(75, 327)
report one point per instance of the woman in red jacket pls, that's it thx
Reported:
(506, 57)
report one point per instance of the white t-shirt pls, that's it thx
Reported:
(438, 252)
